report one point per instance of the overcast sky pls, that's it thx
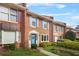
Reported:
(65, 12)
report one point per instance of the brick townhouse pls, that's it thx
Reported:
(59, 29)
(37, 29)
(10, 16)
(24, 28)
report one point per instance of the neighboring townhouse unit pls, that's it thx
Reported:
(37, 29)
(59, 29)
(10, 16)
(75, 30)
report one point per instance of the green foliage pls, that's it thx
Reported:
(9, 46)
(69, 44)
(34, 46)
(23, 52)
(60, 40)
(46, 44)
(62, 51)
(70, 35)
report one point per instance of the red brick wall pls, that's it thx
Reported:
(38, 29)
(50, 31)
(22, 27)
(59, 33)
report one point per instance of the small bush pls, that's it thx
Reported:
(9, 46)
(60, 40)
(69, 44)
(34, 46)
(46, 44)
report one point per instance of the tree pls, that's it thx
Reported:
(70, 35)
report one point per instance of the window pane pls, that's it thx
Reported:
(13, 12)
(4, 9)
(33, 22)
(13, 18)
(42, 37)
(45, 25)
(9, 37)
(3, 16)
(45, 38)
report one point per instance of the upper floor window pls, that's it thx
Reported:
(44, 37)
(13, 15)
(57, 28)
(44, 25)
(33, 22)
(4, 13)
(7, 14)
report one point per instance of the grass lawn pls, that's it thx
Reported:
(62, 51)
(22, 52)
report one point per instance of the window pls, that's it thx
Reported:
(13, 15)
(57, 28)
(8, 37)
(44, 25)
(6, 15)
(4, 9)
(4, 12)
(33, 22)
(44, 37)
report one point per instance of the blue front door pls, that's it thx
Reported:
(33, 39)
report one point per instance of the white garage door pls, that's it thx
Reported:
(8, 37)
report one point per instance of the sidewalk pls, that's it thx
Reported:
(46, 52)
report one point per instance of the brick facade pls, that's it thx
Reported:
(26, 30)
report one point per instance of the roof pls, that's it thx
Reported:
(39, 16)
(43, 17)
(59, 23)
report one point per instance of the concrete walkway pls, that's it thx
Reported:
(46, 52)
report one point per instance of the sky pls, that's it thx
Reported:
(64, 12)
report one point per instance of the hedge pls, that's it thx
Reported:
(69, 44)
(9, 46)
(46, 44)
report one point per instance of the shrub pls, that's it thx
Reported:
(9, 46)
(34, 46)
(70, 35)
(69, 44)
(60, 40)
(46, 44)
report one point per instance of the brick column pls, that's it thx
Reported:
(50, 31)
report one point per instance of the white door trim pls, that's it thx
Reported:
(29, 39)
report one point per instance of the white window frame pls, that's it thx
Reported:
(3, 12)
(36, 22)
(8, 14)
(16, 15)
(43, 25)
